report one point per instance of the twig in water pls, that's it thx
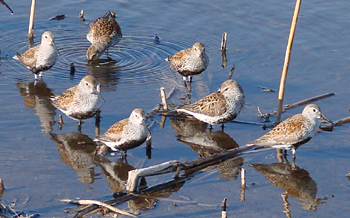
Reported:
(224, 59)
(170, 93)
(231, 72)
(114, 209)
(223, 41)
(2, 188)
(7, 6)
(243, 186)
(72, 68)
(223, 206)
(162, 95)
(260, 114)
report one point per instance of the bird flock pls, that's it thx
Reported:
(83, 101)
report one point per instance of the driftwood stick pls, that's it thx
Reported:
(162, 122)
(163, 96)
(171, 185)
(224, 58)
(174, 165)
(2, 188)
(6, 5)
(86, 202)
(171, 93)
(223, 206)
(307, 101)
(300, 103)
(120, 198)
(223, 41)
(153, 112)
(243, 186)
(31, 21)
(223, 50)
(286, 61)
(231, 72)
(340, 122)
(134, 175)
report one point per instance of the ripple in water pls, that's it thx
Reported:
(135, 59)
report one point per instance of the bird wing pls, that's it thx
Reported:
(114, 133)
(177, 60)
(211, 105)
(103, 27)
(65, 99)
(290, 131)
(28, 58)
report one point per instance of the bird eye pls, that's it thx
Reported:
(87, 84)
(314, 110)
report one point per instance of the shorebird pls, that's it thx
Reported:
(40, 57)
(81, 101)
(127, 133)
(294, 131)
(189, 62)
(103, 33)
(219, 107)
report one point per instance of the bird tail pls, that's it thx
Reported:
(17, 56)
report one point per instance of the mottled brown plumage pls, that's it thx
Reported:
(294, 131)
(81, 101)
(219, 107)
(127, 133)
(103, 33)
(190, 61)
(41, 57)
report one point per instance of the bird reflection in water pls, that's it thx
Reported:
(116, 173)
(106, 72)
(77, 150)
(36, 95)
(206, 143)
(295, 181)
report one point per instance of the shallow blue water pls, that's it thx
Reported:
(38, 171)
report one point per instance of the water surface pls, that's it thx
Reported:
(41, 164)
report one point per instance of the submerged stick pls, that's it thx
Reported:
(223, 50)
(174, 166)
(223, 41)
(300, 103)
(243, 186)
(109, 207)
(31, 21)
(223, 206)
(163, 96)
(231, 72)
(286, 61)
(224, 58)
(2, 188)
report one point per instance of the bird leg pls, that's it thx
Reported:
(222, 127)
(60, 122)
(79, 125)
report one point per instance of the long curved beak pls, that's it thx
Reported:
(328, 120)
(97, 93)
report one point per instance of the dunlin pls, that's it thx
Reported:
(294, 131)
(189, 62)
(127, 133)
(103, 33)
(219, 107)
(81, 101)
(41, 57)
